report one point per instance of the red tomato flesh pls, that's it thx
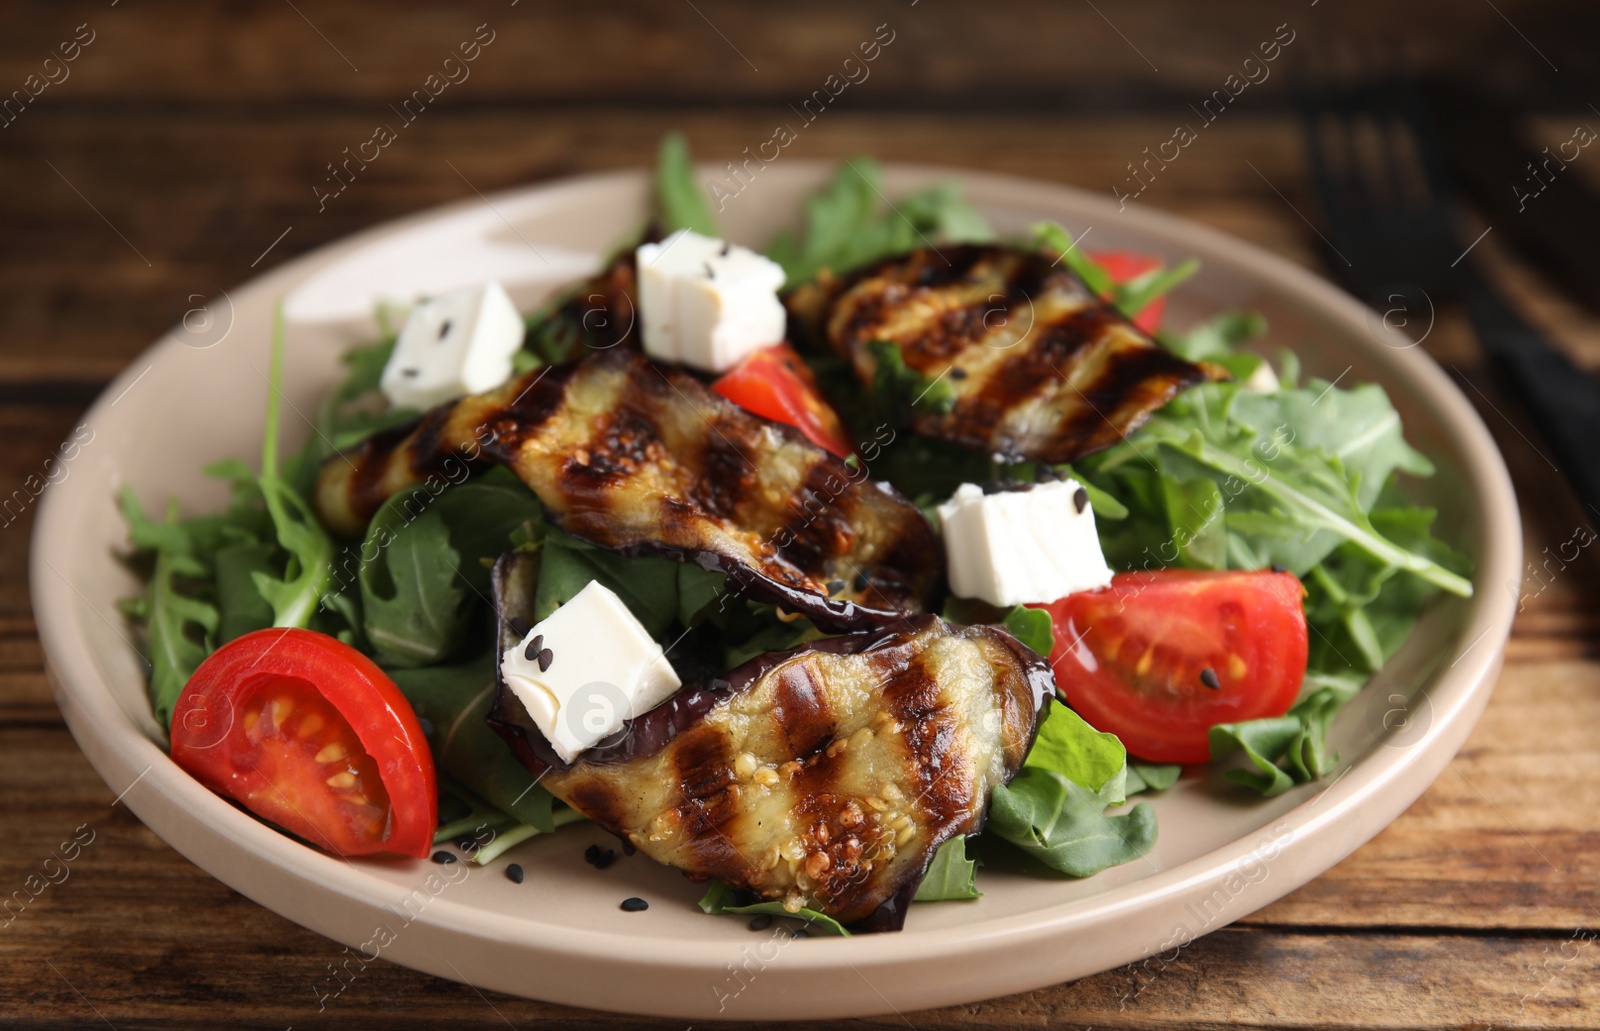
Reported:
(308, 733)
(1122, 266)
(1138, 658)
(775, 384)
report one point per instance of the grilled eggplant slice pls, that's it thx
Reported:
(824, 777)
(1040, 368)
(648, 460)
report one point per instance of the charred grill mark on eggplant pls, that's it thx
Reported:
(1046, 370)
(825, 777)
(649, 460)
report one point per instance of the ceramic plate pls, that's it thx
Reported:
(199, 394)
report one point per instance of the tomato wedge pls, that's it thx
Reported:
(774, 383)
(1159, 658)
(307, 732)
(1122, 266)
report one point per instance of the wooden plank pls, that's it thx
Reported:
(716, 52)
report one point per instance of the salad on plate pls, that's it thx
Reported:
(819, 573)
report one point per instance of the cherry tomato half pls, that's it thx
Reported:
(307, 732)
(1159, 658)
(773, 382)
(1122, 266)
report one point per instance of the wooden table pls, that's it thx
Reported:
(185, 141)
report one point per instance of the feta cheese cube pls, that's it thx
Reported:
(452, 346)
(1012, 547)
(1263, 380)
(706, 303)
(586, 669)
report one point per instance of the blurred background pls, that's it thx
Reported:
(153, 152)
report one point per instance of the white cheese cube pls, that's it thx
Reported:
(452, 346)
(594, 668)
(1013, 547)
(706, 303)
(1263, 380)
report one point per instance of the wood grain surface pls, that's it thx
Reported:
(187, 138)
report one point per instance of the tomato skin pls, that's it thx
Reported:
(1125, 265)
(775, 384)
(1129, 658)
(259, 715)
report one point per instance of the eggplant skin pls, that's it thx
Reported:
(824, 777)
(1039, 367)
(646, 459)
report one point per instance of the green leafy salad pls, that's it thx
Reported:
(1253, 504)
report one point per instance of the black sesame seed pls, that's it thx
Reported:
(761, 923)
(411, 373)
(1208, 677)
(531, 652)
(726, 247)
(545, 658)
(514, 872)
(1080, 498)
(444, 329)
(591, 855)
(835, 586)
(441, 857)
(605, 859)
(861, 581)
(710, 272)
(1279, 569)
(802, 933)
(519, 626)
(628, 849)
(634, 904)
(958, 373)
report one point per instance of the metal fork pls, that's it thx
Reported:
(1392, 230)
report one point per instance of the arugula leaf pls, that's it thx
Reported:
(1067, 745)
(1053, 236)
(486, 516)
(413, 604)
(720, 898)
(1146, 777)
(1142, 290)
(1290, 749)
(647, 585)
(682, 204)
(240, 606)
(851, 223)
(1054, 809)
(294, 596)
(1063, 825)
(454, 700)
(901, 390)
(951, 875)
(178, 626)
(1032, 627)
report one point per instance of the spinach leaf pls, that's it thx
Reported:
(1283, 751)
(951, 875)
(719, 898)
(682, 203)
